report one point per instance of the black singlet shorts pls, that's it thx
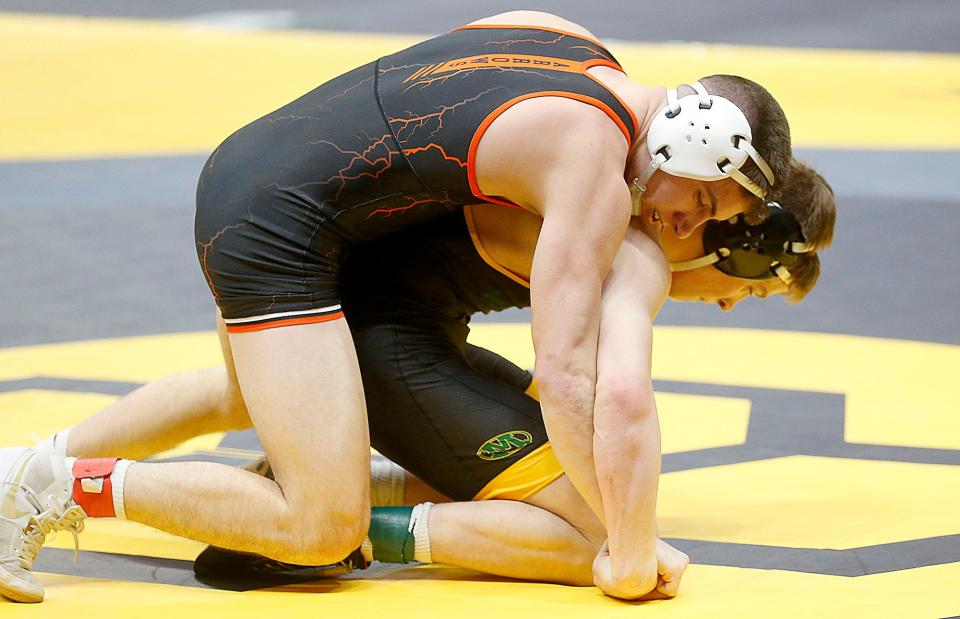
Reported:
(380, 149)
(455, 415)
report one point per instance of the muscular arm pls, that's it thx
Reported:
(585, 217)
(574, 179)
(626, 439)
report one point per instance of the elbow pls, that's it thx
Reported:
(552, 370)
(623, 402)
(570, 393)
(553, 375)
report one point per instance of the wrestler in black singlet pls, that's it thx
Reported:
(432, 399)
(382, 148)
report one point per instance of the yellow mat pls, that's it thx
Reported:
(795, 502)
(449, 593)
(83, 87)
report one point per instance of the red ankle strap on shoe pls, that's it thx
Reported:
(92, 488)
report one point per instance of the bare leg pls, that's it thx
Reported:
(302, 389)
(161, 415)
(168, 411)
(552, 537)
(165, 412)
(534, 541)
(415, 490)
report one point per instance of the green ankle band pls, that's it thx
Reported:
(392, 543)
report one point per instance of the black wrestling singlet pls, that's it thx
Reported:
(379, 149)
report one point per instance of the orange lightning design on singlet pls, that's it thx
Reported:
(377, 150)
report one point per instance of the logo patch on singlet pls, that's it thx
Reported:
(496, 61)
(504, 445)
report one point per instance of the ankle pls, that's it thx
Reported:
(98, 485)
(399, 534)
(56, 444)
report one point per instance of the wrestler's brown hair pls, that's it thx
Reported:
(804, 274)
(806, 195)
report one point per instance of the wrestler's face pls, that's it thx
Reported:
(682, 204)
(709, 285)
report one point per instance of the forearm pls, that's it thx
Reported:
(567, 404)
(627, 456)
(572, 261)
(627, 432)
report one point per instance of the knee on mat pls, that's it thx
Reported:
(322, 539)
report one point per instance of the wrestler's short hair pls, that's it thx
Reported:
(768, 124)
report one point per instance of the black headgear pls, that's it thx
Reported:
(760, 251)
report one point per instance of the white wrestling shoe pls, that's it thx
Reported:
(35, 500)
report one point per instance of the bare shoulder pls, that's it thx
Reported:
(536, 19)
(646, 248)
(549, 144)
(642, 255)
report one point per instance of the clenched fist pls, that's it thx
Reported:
(645, 584)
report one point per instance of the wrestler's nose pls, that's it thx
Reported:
(728, 303)
(685, 223)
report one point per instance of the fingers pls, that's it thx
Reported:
(668, 588)
(668, 582)
(671, 565)
(657, 592)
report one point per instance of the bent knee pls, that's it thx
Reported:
(325, 538)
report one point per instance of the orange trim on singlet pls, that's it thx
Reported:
(284, 323)
(492, 116)
(602, 62)
(528, 27)
(484, 254)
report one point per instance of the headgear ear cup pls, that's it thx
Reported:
(760, 251)
(700, 136)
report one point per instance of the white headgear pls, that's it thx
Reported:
(700, 136)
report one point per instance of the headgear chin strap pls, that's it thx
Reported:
(700, 136)
(765, 250)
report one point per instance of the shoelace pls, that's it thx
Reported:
(60, 515)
